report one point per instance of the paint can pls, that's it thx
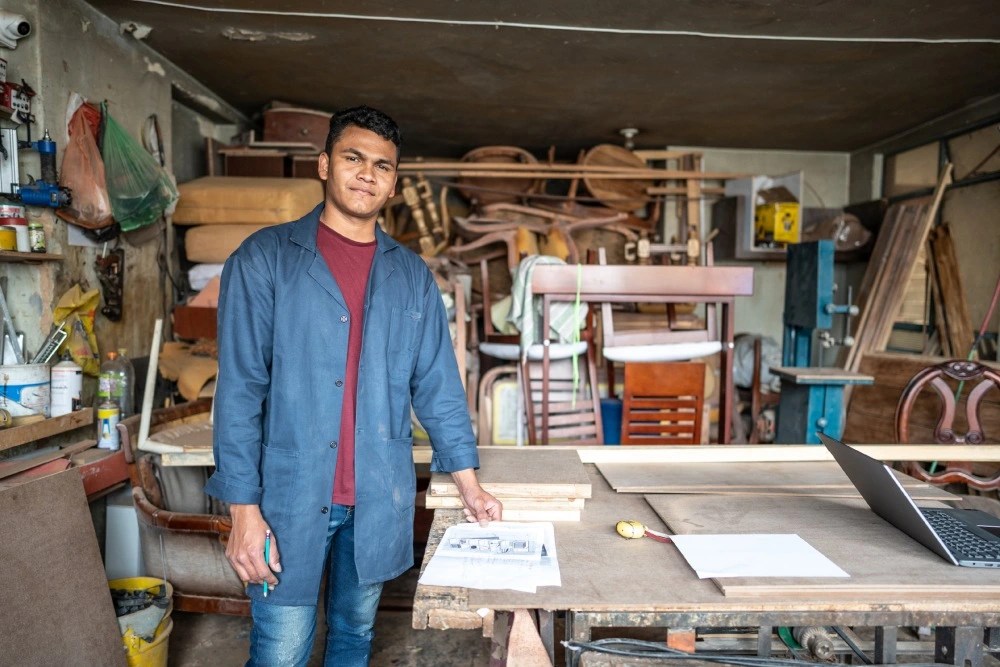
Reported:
(67, 385)
(24, 389)
(8, 238)
(107, 425)
(13, 215)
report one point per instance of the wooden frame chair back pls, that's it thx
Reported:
(976, 381)
(663, 403)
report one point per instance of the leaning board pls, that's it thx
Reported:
(533, 472)
(769, 478)
(872, 551)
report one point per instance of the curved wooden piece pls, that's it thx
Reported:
(506, 237)
(955, 472)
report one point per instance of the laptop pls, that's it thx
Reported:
(969, 538)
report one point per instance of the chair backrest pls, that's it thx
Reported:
(662, 403)
(976, 381)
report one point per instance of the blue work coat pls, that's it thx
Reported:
(283, 328)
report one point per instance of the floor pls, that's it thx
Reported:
(213, 640)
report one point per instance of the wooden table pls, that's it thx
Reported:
(612, 582)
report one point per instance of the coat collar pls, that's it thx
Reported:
(304, 234)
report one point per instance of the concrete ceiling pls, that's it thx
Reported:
(455, 86)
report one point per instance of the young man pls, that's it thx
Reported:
(329, 331)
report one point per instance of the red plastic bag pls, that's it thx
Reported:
(83, 174)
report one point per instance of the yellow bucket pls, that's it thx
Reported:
(139, 652)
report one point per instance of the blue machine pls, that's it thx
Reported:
(812, 397)
(46, 190)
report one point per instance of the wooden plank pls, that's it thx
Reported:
(453, 502)
(815, 375)
(526, 472)
(823, 478)
(958, 322)
(880, 559)
(632, 283)
(15, 466)
(751, 453)
(20, 435)
(57, 607)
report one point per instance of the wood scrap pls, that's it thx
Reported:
(535, 472)
(14, 466)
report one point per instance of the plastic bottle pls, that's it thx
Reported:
(117, 382)
(127, 402)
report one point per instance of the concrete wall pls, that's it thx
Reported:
(826, 176)
(74, 48)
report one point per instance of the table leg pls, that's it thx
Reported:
(726, 389)
(959, 646)
(885, 644)
(547, 630)
(577, 629)
(764, 641)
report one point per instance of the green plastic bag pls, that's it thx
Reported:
(139, 188)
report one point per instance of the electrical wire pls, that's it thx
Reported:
(636, 648)
(572, 28)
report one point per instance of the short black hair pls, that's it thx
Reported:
(366, 118)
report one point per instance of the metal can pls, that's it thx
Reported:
(8, 238)
(36, 237)
(107, 425)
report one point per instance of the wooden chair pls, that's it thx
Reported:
(650, 339)
(663, 403)
(967, 373)
(657, 284)
(187, 549)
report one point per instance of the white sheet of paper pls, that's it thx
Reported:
(783, 555)
(499, 572)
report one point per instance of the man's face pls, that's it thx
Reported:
(360, 173)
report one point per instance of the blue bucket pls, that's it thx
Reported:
(611, 417)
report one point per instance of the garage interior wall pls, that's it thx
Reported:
(74, 48)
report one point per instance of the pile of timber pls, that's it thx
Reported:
(534, 484)
(883, 288)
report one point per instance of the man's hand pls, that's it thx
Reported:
(245, 549)
(479, 505)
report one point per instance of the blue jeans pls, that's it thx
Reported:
(283, 635)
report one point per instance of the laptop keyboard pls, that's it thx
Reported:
(960, 540)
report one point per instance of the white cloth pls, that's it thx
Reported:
(565, 320)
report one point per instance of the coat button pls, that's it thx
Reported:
(339, 383)
(324, 510)
(333, 445)
(343, 318)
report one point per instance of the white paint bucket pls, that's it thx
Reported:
(24, 389)
(66, 387)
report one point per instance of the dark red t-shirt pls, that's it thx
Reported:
(350, 263)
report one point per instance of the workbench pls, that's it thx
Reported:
(612, 582)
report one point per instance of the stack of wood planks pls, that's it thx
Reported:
(534, 484)
(883, 288)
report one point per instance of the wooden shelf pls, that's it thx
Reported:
(22, 435)
(29, 257)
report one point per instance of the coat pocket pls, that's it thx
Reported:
(402, 475)
(279, 477)
(404, 327)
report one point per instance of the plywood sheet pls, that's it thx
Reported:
(55, 606)
(880, 559)
(534, 472)
(812, 478)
